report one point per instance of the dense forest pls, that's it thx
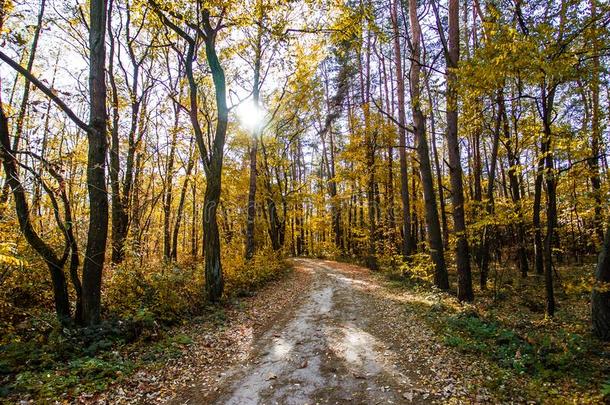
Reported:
(162, 161)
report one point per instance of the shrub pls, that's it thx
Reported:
(161, 292)
(39, 359)
(243, 277)
(606, 389)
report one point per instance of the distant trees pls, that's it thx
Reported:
(515, 118)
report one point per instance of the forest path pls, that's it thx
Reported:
(326, 333)
(339, 345)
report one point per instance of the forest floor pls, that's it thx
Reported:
(333, 333)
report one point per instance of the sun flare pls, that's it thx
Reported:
(250, 115)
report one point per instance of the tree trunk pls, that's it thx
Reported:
(251, 209)
(439, 177)
(96, 167)
(538, 256)
(371, 140)
(213, 269)
(54, 263)
(551, 197)
(335, 203)
(489, 204)
(407, 242)
(194, 216)
(117, 210)
(168, 189)
(299, 220)
(276, 225)
(516, 195)
(43, 151)
(435, 241)
(595, 126)
(600, 297)
(465, 292)
(24, 99)
(214, 281)
(176, 230)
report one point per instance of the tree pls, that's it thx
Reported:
(211, 152)
(435, 241)
(54, 262)
(407, 243)
(452, 56)
(25, 97)
(96, 181)
(138, 91)
(595, 121)
(251, 209)
(95, 252)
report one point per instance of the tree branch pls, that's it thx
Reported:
(49, 93)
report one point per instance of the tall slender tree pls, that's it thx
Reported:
(451, 47)
(435, 241)
(95, 252)
(256, 130)
(407, 243)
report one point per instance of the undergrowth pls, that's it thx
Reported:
(144, 307)
(541, 357)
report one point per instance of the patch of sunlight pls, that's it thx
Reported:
(280, 349)
(323, 301)
(357, 344)
(352, 281)
(358, 348)
(407, 298)
(365, 353)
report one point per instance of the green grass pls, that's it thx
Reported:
(70, 362)
(553, 360)
(548, 356)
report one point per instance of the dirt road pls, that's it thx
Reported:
(327, 333)
(334, 348)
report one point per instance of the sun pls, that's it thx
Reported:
(250, 115)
